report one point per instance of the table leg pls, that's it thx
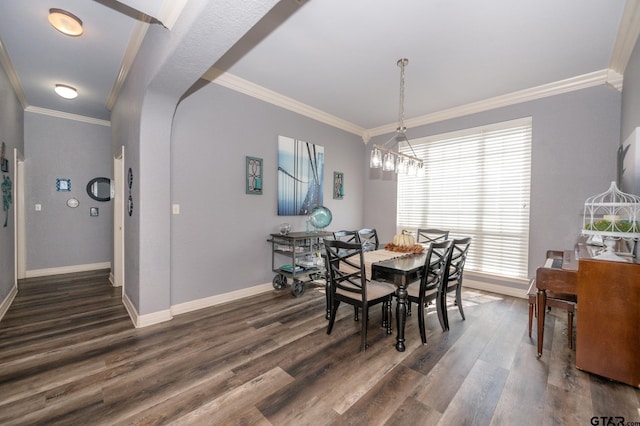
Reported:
(327, 291)
(541, 301)
(401, 315)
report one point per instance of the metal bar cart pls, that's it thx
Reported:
(294, 256)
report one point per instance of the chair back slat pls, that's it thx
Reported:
(345, 266)
(347, 236)
(436, 264)
(458, 257)
(430, 235)
(369, 239)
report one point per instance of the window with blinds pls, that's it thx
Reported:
(477, 184)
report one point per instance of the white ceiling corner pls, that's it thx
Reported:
(465, 57)
(5, 62)
(170, 11)
(627, 36)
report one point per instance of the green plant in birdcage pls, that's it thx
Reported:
(613, 226)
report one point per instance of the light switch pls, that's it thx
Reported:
(38, 207)
(175, 208)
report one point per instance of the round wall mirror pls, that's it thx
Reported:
(100, 189)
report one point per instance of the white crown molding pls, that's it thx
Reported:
(628, 32)
(67, 116)
(6, 63)
(139, 31)
(170, 11)
(563, 86)
(615, 79)
(606, 76)
(238, 84)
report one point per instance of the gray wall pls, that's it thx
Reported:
(631, 95)
(630, 165)
(60, 236)
(12, 134)
(575, 141)
(218, 241)
(167, 64)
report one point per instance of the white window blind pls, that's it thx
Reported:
(477, 184)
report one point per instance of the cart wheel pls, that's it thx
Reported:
(297, 288)
(279, 282)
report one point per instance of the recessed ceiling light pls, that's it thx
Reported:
(65, 22)
(66, 92)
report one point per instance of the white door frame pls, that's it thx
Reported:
(19, 219)
(118, 220)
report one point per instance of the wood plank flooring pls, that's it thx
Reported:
(70, 355)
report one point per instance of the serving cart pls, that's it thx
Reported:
(296, 256)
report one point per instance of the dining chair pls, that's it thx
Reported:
(347, 236)
(348, 283)
(369, 239)
(455, 272)
(429, 235)
(431, 284)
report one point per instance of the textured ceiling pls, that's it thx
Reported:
(333, 55)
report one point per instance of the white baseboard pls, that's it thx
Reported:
(162, 316)
(67, 269)
(112, 280)
(140, 321)
(494, 288)
(6, 303)
(218, 299)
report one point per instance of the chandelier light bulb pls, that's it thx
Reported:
(388, 165)
(411, 168)
(401, 162)
(376, 159)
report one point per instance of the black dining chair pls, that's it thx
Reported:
(429, 235)
(347, 236)
(369, 239)
(455, 274)
(348, 283)
(431, 284)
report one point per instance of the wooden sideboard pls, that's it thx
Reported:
(608, 326)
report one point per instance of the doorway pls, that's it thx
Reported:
(118, 221)
(19, 219)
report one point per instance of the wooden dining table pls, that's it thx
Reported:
(398, 268)
(401, 271)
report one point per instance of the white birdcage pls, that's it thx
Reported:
(612, 215)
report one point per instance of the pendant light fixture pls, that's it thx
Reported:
(394, 160)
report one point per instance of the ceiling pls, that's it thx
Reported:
(337, 59)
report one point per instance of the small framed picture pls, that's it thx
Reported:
(254, 175)
(338, 185)
(63, 185)
(5, 165)
(93, 211)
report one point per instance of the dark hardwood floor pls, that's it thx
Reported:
(70, 355)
